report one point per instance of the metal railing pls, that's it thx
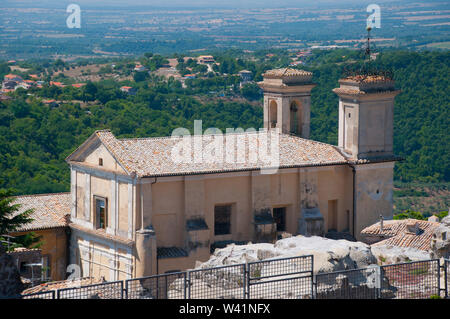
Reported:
(412, 280)
(282, 278)
(166, 286)
(285, 278)
(226, 282)
(106, 290)
(348, 284)
(51, 294)
(275, 278)
(446, 278)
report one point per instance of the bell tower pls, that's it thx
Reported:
(287, 100)
(366, 111)
(366, 115)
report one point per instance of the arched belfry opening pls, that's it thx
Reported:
(273, 114)
(295, 117)
(287, 100)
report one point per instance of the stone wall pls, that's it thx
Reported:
(10, 283)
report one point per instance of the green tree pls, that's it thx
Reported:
(410, 214)
(11, 220)
(251, 91)
(140, 76)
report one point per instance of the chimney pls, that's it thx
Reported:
(412, 226)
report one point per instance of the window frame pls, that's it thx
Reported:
(230, 208)
(97, 213)
(284, 210)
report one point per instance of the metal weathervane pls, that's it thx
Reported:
(367, 69)
(368, 42)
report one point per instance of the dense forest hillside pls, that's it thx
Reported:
(35, 138)
(421, 113)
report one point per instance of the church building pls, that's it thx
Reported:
(135, 211)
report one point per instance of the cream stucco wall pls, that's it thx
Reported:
(366, 124)
(374, 194)
(109, 163)
(99, 257)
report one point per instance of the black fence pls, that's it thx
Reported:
(227, 282)
(414, 280)
(107, 290)
(167, 286)
(349, 284)
(274, 278)
(447, 278)
(41, 295)
(285, 278)
(411, 280)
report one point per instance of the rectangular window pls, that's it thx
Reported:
(100, 212)
(23, 267)
(279, 216)
(222, 220)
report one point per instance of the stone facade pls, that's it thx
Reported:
(24, 259)
(10, 283)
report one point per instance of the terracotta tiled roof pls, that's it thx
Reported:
(50, 210)
(286, 72)
(397, 234)
(12, 76)
(59, 84)
(54, 285)
(153, 156)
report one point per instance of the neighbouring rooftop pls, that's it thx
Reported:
(50, 210)
(410, 233)
(61, 285)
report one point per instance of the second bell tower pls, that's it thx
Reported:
(287, 100)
